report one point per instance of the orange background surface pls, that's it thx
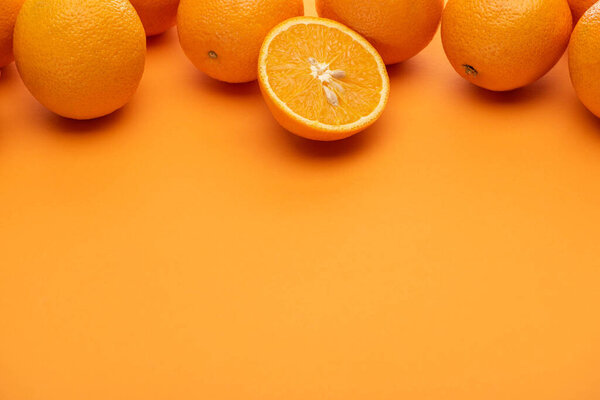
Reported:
(187, 247)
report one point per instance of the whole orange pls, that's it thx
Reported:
(223, 37)
(579, 7)
(157, 15)
(398, 29)
(9, 9)
(584, 58)
(81, 59)
(505, 44)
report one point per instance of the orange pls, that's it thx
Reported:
(579, 7)
(505, 44)
(157, 15)
(584, 58)
(321, 80)
(399, 29)
(8, 15)
(223, 37)
(81, 59)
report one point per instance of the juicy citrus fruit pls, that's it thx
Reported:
(505, 44)
(157, 15)
(9, 9)
(399, 29)
(579, 7)
(223, 37)
(321, 80)
(81, 59)
(584, 58)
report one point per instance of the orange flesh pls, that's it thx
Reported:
(292, 80)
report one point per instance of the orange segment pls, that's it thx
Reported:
(322, 80)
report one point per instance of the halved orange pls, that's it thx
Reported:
(320, 79)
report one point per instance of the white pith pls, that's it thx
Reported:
(328, 78)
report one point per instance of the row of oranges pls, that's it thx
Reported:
(322, 79)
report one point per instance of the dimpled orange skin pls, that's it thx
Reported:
(584, 58)
(579, 7)
(157, 15)
(222, 38)
(9, 9)
(398, 29)
(81, 59)
(505, 44)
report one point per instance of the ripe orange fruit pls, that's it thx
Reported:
(321, 80)
(584, 58)
(157, 15)
(81, 59)
(505, 44)
(223, 38)
(8, 15)
(579, 7)
(399, 29)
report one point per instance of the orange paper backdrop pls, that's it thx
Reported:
(187, 247)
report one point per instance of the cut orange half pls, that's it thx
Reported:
(320, 79)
